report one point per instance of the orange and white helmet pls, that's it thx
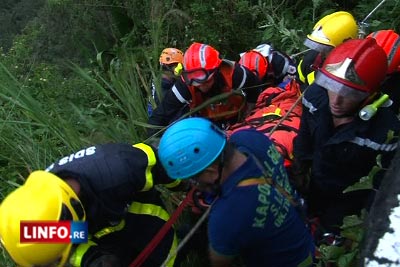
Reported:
(389, 40)
(354, 69)
(171, 56)
(200, 62)
(331, 31)
(201, 56)
(255, 62)
(43, 197)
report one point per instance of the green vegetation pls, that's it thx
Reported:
(74, 73)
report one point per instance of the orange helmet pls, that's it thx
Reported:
(170, 56)
(354, 69)
(255, 62)
(389, 40)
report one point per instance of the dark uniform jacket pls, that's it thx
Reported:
(123, 209)
(340, 156)
(391, 86)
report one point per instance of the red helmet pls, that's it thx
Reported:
(201, 56)
(255, 62)
(389, 40)
(354, 69)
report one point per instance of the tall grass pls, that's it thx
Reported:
(34, 133)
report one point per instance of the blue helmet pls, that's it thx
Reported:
(189, 146)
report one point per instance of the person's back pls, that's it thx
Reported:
(111, 186)
(254, 218)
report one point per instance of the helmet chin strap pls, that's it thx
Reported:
(217, 183)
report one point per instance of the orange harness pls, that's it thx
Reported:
(229, 107)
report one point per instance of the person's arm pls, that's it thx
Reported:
(302, 144)
(170, 107)
(246, 80)
(302, 152)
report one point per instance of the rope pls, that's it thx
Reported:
(300, 53)
(161, 233)
(189, 235)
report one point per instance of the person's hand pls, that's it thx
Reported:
(199, 201)
(299, 175)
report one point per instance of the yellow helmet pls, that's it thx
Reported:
(331, 31)
(170, 56)
(45, 197)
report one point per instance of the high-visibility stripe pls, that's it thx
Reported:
(311, 77)
(151, 157)
(159, 212)
(76, 258)
(277, 112)
(148, 209)
(374, 145)
(243, 78)
(301, 76)
(173, 184)
(393, 51)
(252, 181)
(202, 55)
(178, 95)
(308, 105)
(174, 246)
(110, 229)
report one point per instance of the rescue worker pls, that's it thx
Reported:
(171, 60)
(389, 40)
(110, 186)
(274, 69)
(255, 62)
(336, 146)
(254, 215)
(204, 76)
(328, 32)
